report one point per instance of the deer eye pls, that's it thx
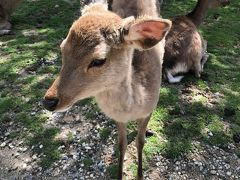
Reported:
(97, 63)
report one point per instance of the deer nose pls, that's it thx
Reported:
(50, 103)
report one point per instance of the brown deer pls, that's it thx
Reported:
(7, 7)
(185, 48)
(116, 60)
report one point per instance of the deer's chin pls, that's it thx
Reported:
(63, 109)
(68, 105)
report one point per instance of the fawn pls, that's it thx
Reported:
(185, 48)
(116, 60)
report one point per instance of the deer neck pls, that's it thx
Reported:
(199, 12)
(135, 8)
(119, 101)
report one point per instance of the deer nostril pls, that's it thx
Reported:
(50, 103)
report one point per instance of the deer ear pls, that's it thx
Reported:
(145, 34)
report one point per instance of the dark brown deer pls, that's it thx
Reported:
(7, 7)
(119, 62)
(185, 48)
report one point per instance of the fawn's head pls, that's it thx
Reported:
(218, 3)
(97, 53)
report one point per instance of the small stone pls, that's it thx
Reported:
(34, 156)
(88, 148)
(149, 133)
(20, 142)
(68, 118)
(65, 157)
(229, 173)
(210, 133)
(33, 113)
(7, 133)
(75, 157)
(213, 172)
(227, 166)
(65, 167)
(10, 145)
(41, 146)
(27, 160)
(16, 154)
(24, 165)
(3, 144)
(23, 149)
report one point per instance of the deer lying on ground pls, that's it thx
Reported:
(116, 60)
(185, 48)
(7, 7)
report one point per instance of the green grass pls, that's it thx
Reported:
(176, 121)
(87, 162)
(39, 28)
(112, 170)
(105, 133)
(44, 143)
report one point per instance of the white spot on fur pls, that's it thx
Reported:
(101, 50)
(172, 79)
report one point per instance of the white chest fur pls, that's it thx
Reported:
(122, 105)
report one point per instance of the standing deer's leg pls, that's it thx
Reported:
(205, 55)
(142, 125)
(3, 17)
(5, 26)
(122, 146)
(197, 68)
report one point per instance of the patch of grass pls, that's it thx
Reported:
(175, 147)
(70, 137)
(112, 170)
(33, 123)
(219, 138)
(133, 169)
(237, 152)
(24, 79)
(87, 162)
(44, 143)
(104, 133)
(153, 145)
(83, 141)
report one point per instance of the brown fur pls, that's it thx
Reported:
(185, 48)
(7, 7)
(125, 8)
(126, 86)
(200, 11)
